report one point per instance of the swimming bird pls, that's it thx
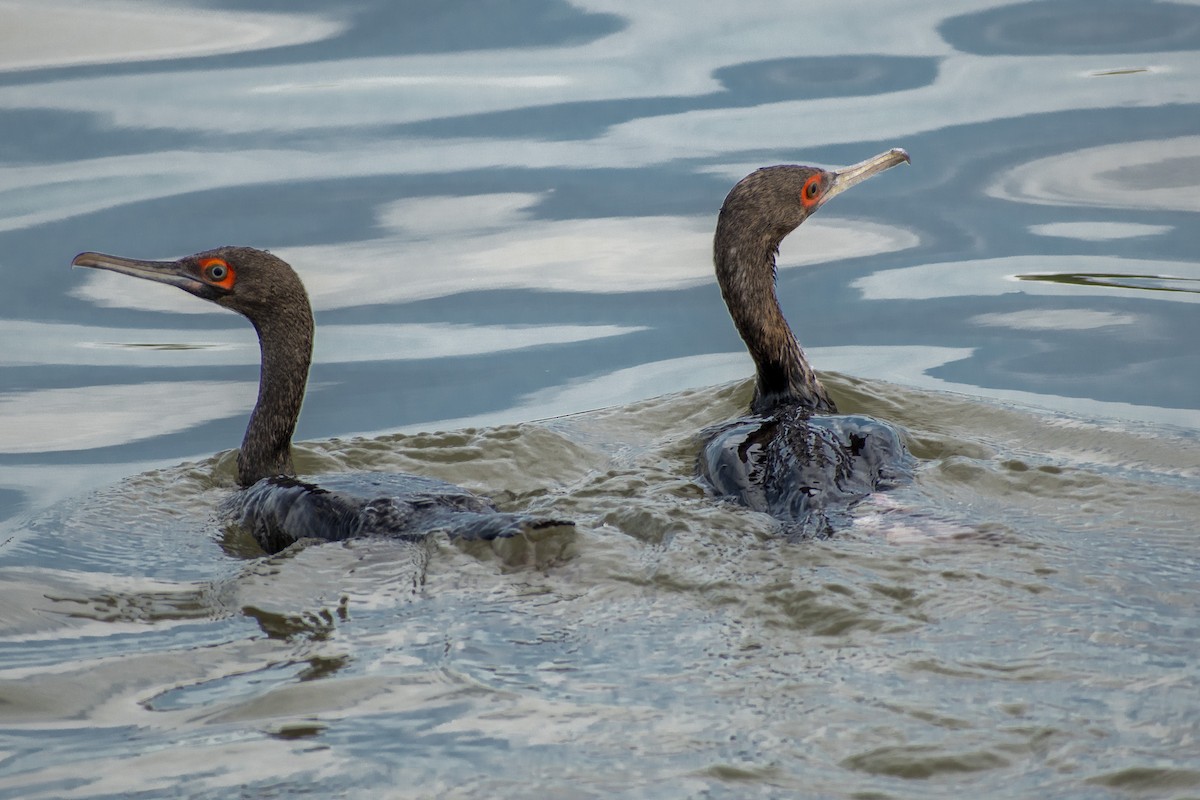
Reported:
(794, 457)
(275, 506)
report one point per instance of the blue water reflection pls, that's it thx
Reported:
(1101, 27)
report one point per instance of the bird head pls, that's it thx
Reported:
(775, 200)
(242, 279)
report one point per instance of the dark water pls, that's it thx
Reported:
(503, 214)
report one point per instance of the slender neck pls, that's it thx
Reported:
(745, 264)
(285, 339)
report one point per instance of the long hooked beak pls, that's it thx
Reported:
(844, 178)
(169, 272)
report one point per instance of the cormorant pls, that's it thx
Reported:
(794, 458)
(276, 507)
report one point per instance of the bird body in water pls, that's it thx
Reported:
(274, 506)
(794, 457)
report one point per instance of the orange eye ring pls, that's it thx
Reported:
(811, 194)
(217, 272)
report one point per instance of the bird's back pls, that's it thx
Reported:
(282, 510)
(805, 470)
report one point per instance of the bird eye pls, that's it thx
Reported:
(811, 191)
(218, 273)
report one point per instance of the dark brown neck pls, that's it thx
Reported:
(285, 340)
(745, 261)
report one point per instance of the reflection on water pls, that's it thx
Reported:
(47, 420)
(161, 347)
(1098, 231)
(56, 34)
(1112, 72)
(1162, 174)
(1101, 27)
(424, 245)
(1059, 319)
(1150, 283)
(749, 84)
(504, 213)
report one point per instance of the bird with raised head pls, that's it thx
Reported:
(794, 457)
(273, 505)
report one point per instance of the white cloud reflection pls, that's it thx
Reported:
(1098, 231)
(54, 420)
(1150, 174)
(54, 33)
(1056, 319)
(370, 83)
(46, 343)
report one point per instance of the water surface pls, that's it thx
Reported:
(504, 216)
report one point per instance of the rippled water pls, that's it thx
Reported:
(1020, 616)
(504, 219)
